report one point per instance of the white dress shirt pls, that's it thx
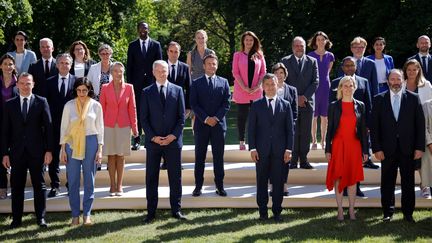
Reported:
(165, 87)
(146, 43)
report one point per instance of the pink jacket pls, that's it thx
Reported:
(122, 111)
(240, 72)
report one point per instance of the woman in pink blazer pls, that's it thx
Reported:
(248, 69)
(119, 109)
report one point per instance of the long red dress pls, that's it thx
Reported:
(346, 157)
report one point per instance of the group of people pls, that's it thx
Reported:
(73, 110)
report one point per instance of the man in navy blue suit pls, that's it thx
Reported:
(271, 135)
(140, 57)
(423, 56)
(209, 100)
(163, 118)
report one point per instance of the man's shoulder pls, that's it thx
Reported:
(154, 41)
(360, 79)
(286, 58)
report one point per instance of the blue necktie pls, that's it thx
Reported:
(162, 96)
(24, 109)
(424, 65)
(359, 66)
(172, 75)
(396, 106)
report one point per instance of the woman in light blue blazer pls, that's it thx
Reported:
(23, 57)
(383, 63)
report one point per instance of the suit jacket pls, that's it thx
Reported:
(270, 134)
(334, 115)
(37, 70)
(33, 134)
(94, 75)
(208, 103)
(305, 80)
(428, 74)
(367, 71)
(163, 121)
(139, 68)
(121, 111)
(290, 95)
(183, 79)
(362, 93)
(87, 66)
(409, 130)
(28, 58)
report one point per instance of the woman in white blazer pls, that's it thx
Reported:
(23, 57)
(99, 73)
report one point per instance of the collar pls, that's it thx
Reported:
(356, 59)
(28, 97)
(170, 64)
(353, 76)
(274, 97)
(159, 84)
(422, 55)
(398, 93)
(66, 77)
(212, 77)
(146, 40)
(49, 60)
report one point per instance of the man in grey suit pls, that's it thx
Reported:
(303, 74)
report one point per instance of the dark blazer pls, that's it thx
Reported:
(159, 121)
(87, 66)
(207, 103)
(271, 134)
(409, 130)
(139, 68)
(428, 75)
(368, 71)
(183, 79)
(34, 134)
(290, 95)
(37, 70)
(334, 115)
(305, 81)
(362, 93)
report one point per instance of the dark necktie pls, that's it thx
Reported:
(270, 106)
(172, 75)
(358, 66)
(46, 69)
(210, 84)
(24, 109)
(424, 65)
(144, 50)
(162, 95)
(299, 64)
(63, 87)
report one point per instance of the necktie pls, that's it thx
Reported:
(46, 69)
(424, 65)
(299, 64)
(270, 106)
(172, 75)
(63, 87)
(24, 109)
(358, 66)
(162, 96)
(396, 106)
(144, 50)
(210, 83)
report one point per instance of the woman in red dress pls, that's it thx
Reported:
(346, 144)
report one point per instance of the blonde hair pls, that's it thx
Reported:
(342, 82)
(359, 40)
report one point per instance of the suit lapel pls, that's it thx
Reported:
(387, 103)
(32, 103)
(403, 105)
(294, 64)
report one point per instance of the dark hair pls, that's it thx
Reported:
(22, 33)
(256, 48)
(83, 81)
(312, 41)
(211, 55)
(379, 38)
(4, 57)
(142, 23)
(86, 50)
(173, 43)
(278, 66)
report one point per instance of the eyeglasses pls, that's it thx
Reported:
(104, 53)
(359, 47)
(82, 90)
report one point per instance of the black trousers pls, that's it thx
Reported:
(172, 157)
(3, 177)
(54, 166)
(302, 135)
(242, 116)
(19, 169)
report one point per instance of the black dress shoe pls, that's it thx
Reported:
(293, 165)
(263, 217)
(277, 218)
(270, 193)
(369, 164)
(42, 223)
(54, 192)
(163, 166)
(286, 194)
(359, 193)
(14, 225)
(387, 218)
(135, 146)
(306, 165)
(149, 219)
(221, 192)
(99, 166)
(409, 218)
(196, 192)
(179, 215)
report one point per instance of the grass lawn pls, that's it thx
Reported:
(224, 225)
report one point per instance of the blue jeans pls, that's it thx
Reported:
(73, 170)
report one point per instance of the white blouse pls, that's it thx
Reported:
(93, 123)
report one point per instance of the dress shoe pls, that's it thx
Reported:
(369, 164)
(293, 165)
(221, 192)
(263, 217)
(163, 166)
(42, 223)
(359, 193)
(149, 219)
(99, 166)
(270, 193)
(14, 225)
(135, 146)
(179, 215)
(286, 194)
(306, 165)
(196, 192)
(387, 218)
(54, 192)
(277, 218)
(409, 218)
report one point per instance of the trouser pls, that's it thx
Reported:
(302, 135)
(242, 116)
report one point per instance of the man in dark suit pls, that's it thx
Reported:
(271, 134)
(398, 138)
(27, 142)
(43, 68)
(423, 56)
(140, 57)
(303, 75)
(163, 117)
(209, 100)
(59, 91)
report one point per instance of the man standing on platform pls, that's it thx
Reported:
(163, 118)
(398, 138)
(209, 100)
(140, 57)
(271, 134)
(423, 56)
(303, 74)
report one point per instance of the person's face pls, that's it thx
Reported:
(349, 67)
(173, 53)
(298, 48)
(82, 91)
(19, 41)
(280, 74)
(46, 48)
(348, 89)
(200, 39)
(395, 80)
(117, 73)
(143, 30)
(63, 65)
(210, 66)
(79, 52)
(423, 44)
(358, 49)
(161, 73)
(412, 71)
(25, 85)
(321, 41)
(379, 46)
(270, 87)
(248, 42)
(105, 55)
(7, 66)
